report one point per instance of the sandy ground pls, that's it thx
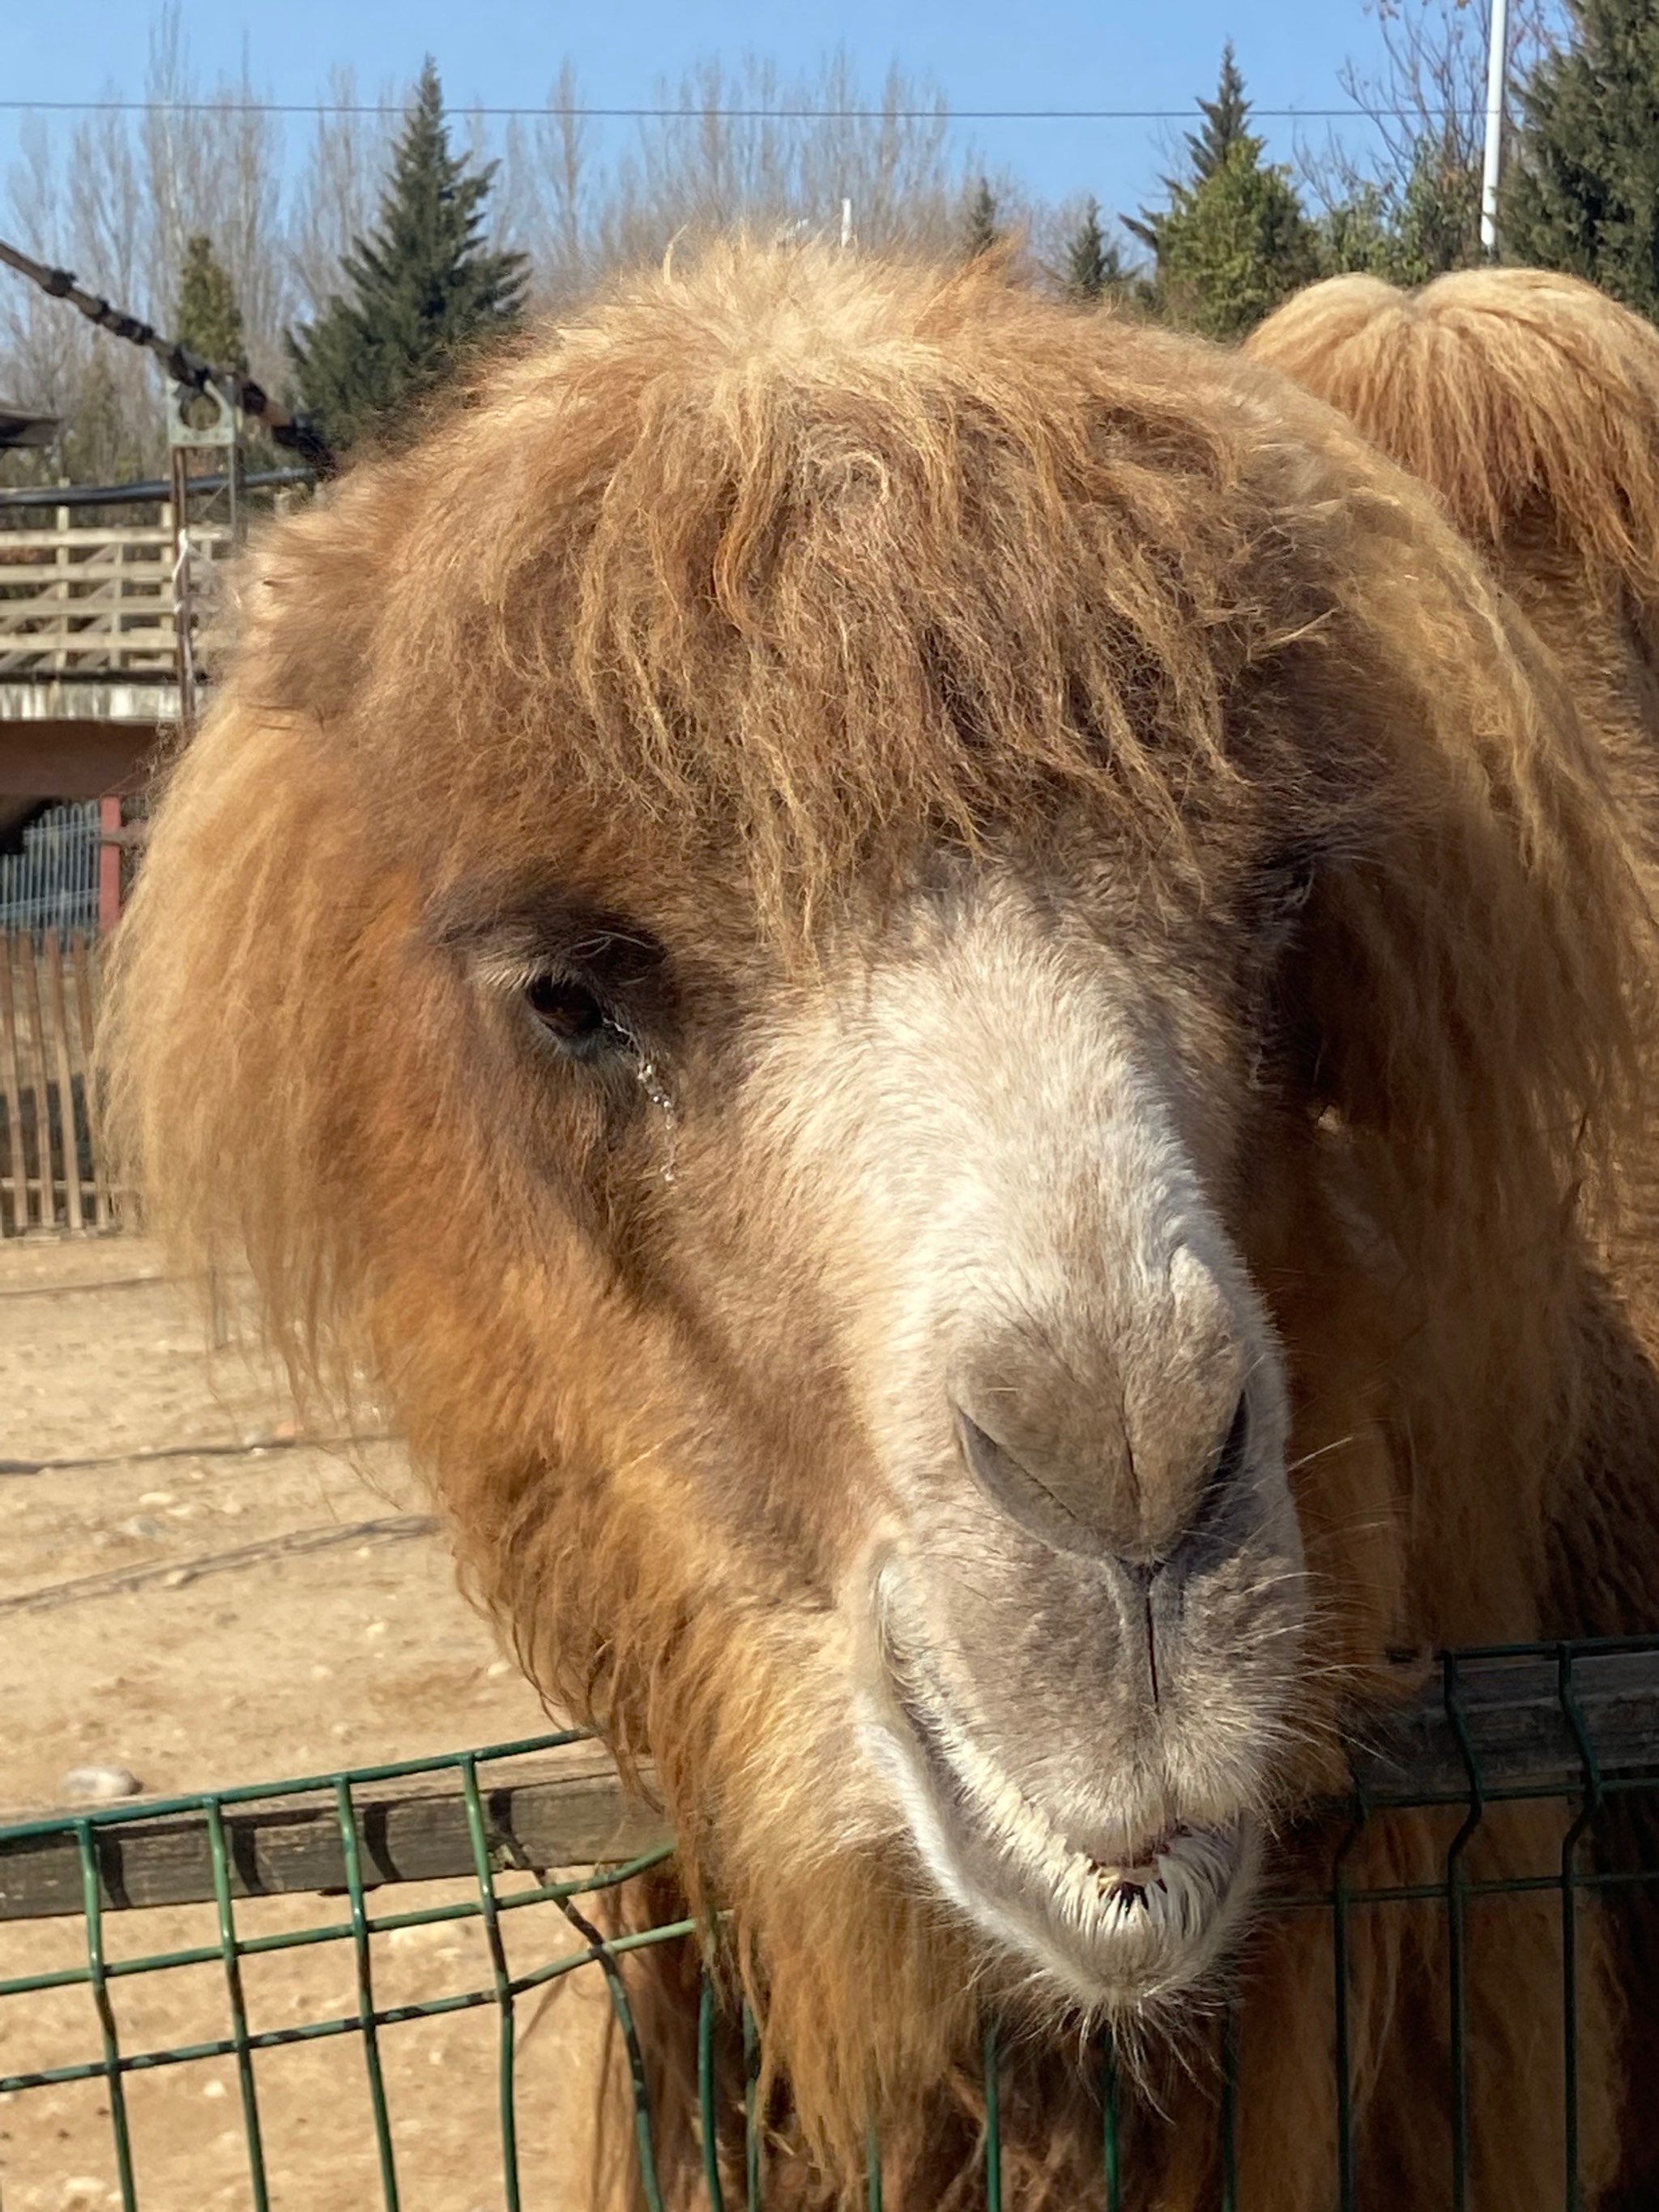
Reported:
(185, 1639)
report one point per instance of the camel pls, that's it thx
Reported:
(1529, 402)
(951, 1010)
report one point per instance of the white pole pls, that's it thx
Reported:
(1496, 69)
(846, 224)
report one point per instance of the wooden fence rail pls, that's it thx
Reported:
(85, 600)
(560, 1810)
(1503, 1727)
(51, 1177)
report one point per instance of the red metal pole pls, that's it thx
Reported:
(109, 865)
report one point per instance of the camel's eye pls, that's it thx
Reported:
(573, 1018)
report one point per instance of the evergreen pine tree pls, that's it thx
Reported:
(1208, 150)
(1235, 238)
(1094, 266)
(981, 228)
(208, 318)
(1357, 235)
(1232, 248)
(423, 288)
(1225, 120)
(1583, 189)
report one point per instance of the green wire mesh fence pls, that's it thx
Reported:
(161, 1965)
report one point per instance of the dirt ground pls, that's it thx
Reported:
(222, 1615)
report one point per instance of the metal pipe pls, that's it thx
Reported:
(151, 492)
(183, 365)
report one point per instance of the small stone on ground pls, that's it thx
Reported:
(100, 1785)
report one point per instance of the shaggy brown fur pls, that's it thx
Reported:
(758, 593)
(1529, 401)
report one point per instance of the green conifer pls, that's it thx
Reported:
(208, 319)
(1230, 249)
(1226, 118)
(983, 231)
(422, 288)
(1584, 188)
(1235, 238)
(1094, 266)
(1438, 222)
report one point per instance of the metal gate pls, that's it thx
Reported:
(52, 883)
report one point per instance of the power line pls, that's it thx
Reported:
(942, 115)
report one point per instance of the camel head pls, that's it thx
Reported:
(886, 955)
(1529, 401)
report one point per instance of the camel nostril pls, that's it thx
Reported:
(1229, 1465)
(1209, 1515)
(1012, 1484)
(1088, 1497)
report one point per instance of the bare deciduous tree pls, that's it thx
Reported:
(119, 210)
(118, 200)
(214, 167)
(744, 146)
(334, 201)
(1428, 89)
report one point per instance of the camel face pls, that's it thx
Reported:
(1075, 1600)
(965, 1174)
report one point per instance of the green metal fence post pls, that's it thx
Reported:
(993, 2067)
(751, 2124)
(1340, 1906)
(93, 1906)
(230, 1951)
(707, 2106)
(1111, 2119)
(347, 1816)
(1451, 1690)
(639, 2081)
(1228, 2111)
(1588, 1811)
(503, 1984)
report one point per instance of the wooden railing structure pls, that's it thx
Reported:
(82, 602)
(51, 1178)
(89, 677)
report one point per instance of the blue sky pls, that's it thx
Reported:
(1015, 53)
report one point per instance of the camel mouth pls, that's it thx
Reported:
(1120, 1918)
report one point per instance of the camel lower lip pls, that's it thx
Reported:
(1120, 1926)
